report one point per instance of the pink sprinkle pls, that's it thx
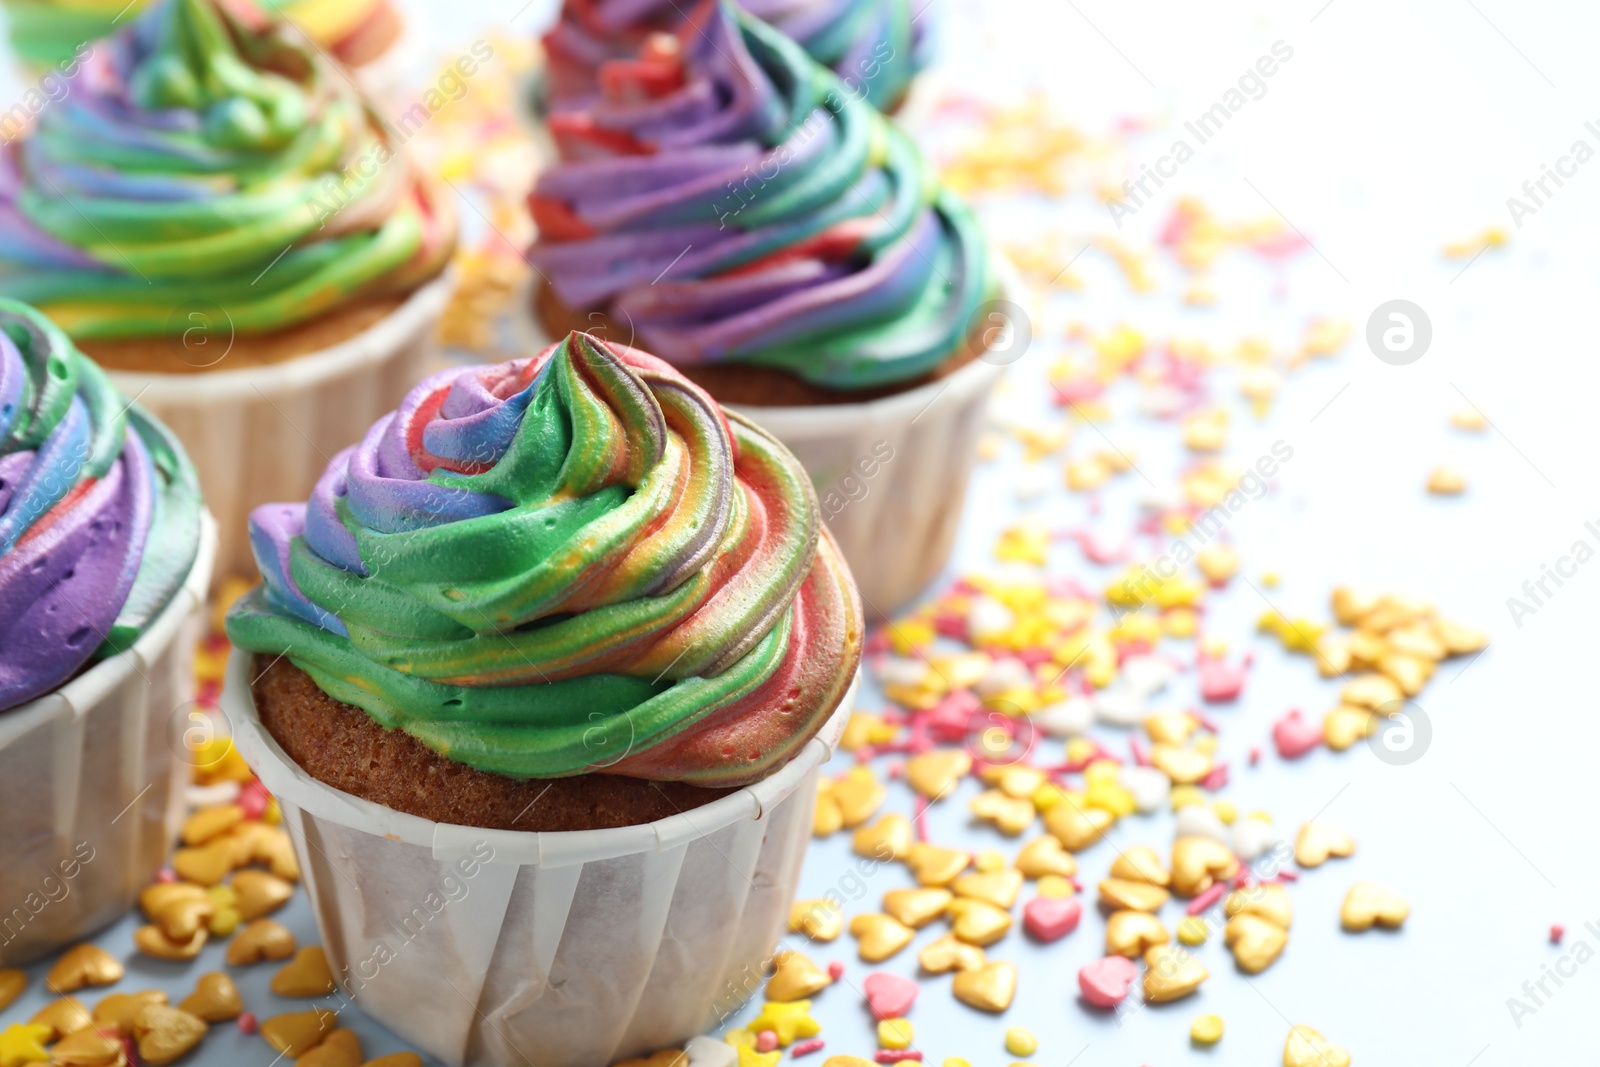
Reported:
(806, 1048)
(166, 876)
(836, 970)
(247, 1023)
(897, 1055)
(1206, 899)
(1216, 779)
(895, 770)
(1220, 680)
(1206, 722)
(766, 1041)
(1557, 932)
(1139, 755)
(253, 798)
(1243, 880)
(949, 624)
(877, 642)
(1294, 735)
(1288, 876)
(919, 817)
(1255, 755)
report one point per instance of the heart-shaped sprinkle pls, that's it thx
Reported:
(936, 774)
(1141, 863)
(82, 965)
(1308, 1048)
(117, 1011)
(1370, 691)
(795, 978)
(342, 1048)
(259, 893)
(1010, 815)
(1051, 918)
(215, 999)
(989, 988)
(702, 1051)
(999, 888)
(1171, 973)
(1044, 856)
(12, 983)
(888, 995)
(263, 939)
(819, 918)
(1198, 863)
(1200, 820)
(1252, 837)
(859, 794)
(206, 865)
(164, 1034)
(977, 922)
(89, 1048)
(949, 954)
(1317, 841)
(208, 823)
(1185, 766)
(890, 838)
(307, 976)
(1121, 893)
(878, 936)
(1344, 726)
(153, 942)
(916, 907)
(411, 1059)
(1075, 826)
(934, 865)
(63, 1017)
(1064, 718)
(1131, 933)
(1170, 727)
(1105, 983)
(827, 818)
(1120, 707)
(1268, 900)
(256, 842)
(297, 1033)
(1219, 679)
(1294, 735)
(1368, 904)
(1148, 786)
(1255, 942)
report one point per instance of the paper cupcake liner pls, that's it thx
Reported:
(891, 476)
(568, 949)
(265, 433)
(90, 785)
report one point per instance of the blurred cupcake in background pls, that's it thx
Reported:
(362, 34)
(875, 46)
(216, 215)
(566, 619)
(735, 209)
(105, 553)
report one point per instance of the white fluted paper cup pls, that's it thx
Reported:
(566, 949)
(265, 433)
(891, 475)
(91, 785)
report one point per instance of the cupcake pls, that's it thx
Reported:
(216, 216)
(104, 556)
(875, 46)
(49, 32)
(788, 249)
(565, 621)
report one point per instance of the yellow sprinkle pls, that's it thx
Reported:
(1193, 930)
(955, 1061)
(1055, 886)
(1206, 1029)
(1270, 579)
(1185, 795)
(894, 1033)
(740, 1038)
(989, 860)
(1020, 1042)
(1226, 810)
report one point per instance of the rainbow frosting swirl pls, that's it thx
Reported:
(754, 211)
(99, 511)
(875, 46)
(562, 565)
(205, 155)
(50, 31)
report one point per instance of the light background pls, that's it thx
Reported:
(1396, 127)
